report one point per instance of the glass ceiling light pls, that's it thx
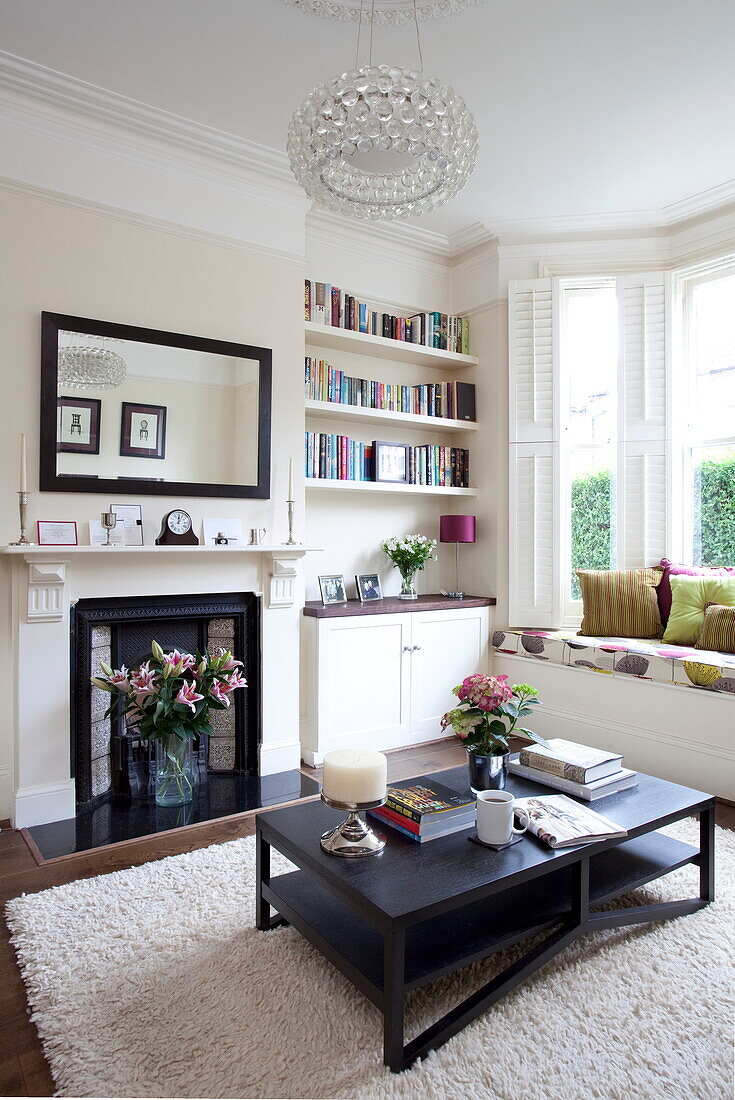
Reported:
(382, 141)
(90, 368)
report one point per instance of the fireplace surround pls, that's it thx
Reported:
(107, 755)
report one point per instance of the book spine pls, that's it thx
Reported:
(307, 299)
(390, 815)
(399, 828)
(403, 811)
(531, 759)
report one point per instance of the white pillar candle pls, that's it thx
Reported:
(290, 479)
(23, 471)
(353, 775)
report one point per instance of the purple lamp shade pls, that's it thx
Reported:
(457, 528)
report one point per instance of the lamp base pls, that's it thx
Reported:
(353, 837)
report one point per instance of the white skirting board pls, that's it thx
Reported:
(682, 734)
(280, 756)
(40, 805)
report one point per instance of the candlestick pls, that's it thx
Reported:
(23, 509)
(290, 479)
(23, 471)
(290, 541)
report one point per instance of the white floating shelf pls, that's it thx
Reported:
(364, 343)
(386, 487)
(333, 410)
(115, 551)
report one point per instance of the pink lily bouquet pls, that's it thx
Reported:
(169, 698)
(489, 711)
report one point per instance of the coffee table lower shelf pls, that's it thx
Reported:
(424, 949)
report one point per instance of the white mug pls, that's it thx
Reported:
(495, 817)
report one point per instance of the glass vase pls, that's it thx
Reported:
(487, 772)
(174, 771)
(408, 585)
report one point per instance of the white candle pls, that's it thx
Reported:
(290, 479)
(353, 775)
(23, 470)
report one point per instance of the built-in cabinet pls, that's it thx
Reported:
(380, 677)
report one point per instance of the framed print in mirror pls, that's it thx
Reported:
(143, 431)
(368, 587)
(390, 462)
(78, 425)
(332, 588)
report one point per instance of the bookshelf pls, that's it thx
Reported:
(333, 484)
(358, 414)
(380, 347)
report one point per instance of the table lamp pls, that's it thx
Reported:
(457, 529)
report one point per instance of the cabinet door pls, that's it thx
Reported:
(446, 647)
(363, 682)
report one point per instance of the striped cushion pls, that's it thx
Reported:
(718, 631)
(620, 603)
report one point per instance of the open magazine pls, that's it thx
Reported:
(561, 822)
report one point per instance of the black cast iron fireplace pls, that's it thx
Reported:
(107, 757)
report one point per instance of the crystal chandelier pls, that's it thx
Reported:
(90, 368)
(382, 141)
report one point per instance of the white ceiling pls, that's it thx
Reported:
(584, 107)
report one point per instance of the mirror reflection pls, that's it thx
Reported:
(127, 409)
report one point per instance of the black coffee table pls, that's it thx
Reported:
(395, 921)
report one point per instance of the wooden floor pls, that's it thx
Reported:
(23, 1068)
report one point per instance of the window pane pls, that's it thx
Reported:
(592, 511)
(713, 505)
(590, 353)
(713, 349)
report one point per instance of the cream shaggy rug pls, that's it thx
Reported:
(154, 982)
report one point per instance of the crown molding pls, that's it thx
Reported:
(407, 246)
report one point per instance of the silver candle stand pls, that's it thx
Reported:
(291, 541)
(353, 836)
(23, 509)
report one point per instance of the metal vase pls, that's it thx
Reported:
(487, 773)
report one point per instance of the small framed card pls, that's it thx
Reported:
(78, 425)
(130, 519)
(368, 587)
(332, 588)
(57, 532)
(143, 431)
(390, 462)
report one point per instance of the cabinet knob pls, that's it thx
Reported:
(416, 647)
(406, 649)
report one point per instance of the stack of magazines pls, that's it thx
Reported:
(579, 770)
(423, 809)
(562, 823)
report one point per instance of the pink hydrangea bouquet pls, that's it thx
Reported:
(168, 698)
(489, 712)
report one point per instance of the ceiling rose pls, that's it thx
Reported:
(386, 12)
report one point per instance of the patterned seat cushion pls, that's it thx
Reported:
(644, 659)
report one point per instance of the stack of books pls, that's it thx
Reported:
(339, 458)
(323, 382)
(578, 770)
(422, 809)
(325, 304)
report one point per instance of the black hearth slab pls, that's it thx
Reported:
(118, 818)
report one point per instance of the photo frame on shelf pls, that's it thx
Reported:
(130, 520)
(332, 588)
(391, 462)
(142, 430)
(222, 532)
(78, 425)
(368, 587)
(57, 532)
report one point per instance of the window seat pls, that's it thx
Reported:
(643, 660)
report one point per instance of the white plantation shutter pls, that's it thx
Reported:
(643, 446)
(534, 563)
(531, 341)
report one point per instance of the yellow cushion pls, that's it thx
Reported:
(689, 597)
(620, 603)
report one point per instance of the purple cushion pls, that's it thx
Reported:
(672, 569)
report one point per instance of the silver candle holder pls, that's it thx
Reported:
(291, 541)
(23, 510)
(352, 837)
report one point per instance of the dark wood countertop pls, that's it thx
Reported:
(391, 605)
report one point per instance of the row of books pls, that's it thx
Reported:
(338, 458)
(578, 770)
(323, 382)
(325, 304)
(423, 809)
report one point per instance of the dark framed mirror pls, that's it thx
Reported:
(137, 410)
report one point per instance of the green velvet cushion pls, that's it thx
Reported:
(690, 596)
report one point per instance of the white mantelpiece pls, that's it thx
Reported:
(47, 581)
